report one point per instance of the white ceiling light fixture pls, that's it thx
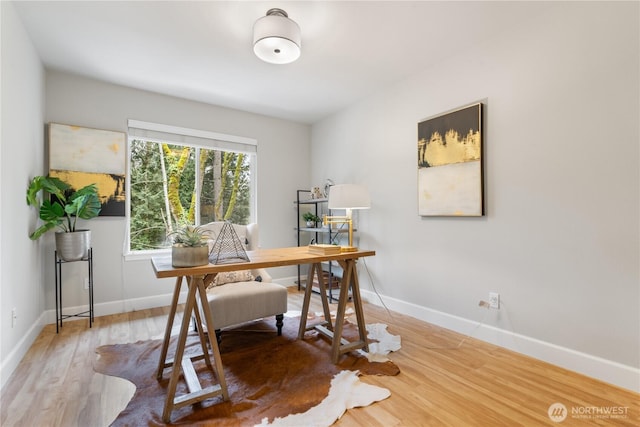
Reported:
(276, 38)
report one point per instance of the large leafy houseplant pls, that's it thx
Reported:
(65, 208)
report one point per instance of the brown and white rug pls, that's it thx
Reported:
(270, 378)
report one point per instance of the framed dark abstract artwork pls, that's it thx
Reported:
(450, 168)
(82, 156)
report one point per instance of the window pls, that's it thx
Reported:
(185, 176)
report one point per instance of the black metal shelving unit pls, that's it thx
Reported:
(320, 234)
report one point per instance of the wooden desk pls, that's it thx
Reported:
(196, 296)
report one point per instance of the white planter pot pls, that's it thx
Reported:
(187, 256)
(73, 246)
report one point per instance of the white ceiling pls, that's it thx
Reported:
(202, 50)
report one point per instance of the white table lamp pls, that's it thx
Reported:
(348, 197)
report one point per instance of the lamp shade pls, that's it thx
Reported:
(349, 196)
(276, 38)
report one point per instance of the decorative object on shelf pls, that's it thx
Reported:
(311, 219)
(228, 249)
(327, 186)
(190, 247)
(450, 172)
(348, 197)
(316, 193)
(80, 155)
(62, 210)
(276, 38)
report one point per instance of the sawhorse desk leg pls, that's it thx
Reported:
(196, 291)
(339, 345)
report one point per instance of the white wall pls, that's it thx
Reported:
(560, 240)
(21, 157)
(283, 150)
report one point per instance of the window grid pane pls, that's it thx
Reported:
(173, 184)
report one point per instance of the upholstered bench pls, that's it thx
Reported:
(241, 296)
(239, 302)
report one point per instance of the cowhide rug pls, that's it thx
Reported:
(271, 379)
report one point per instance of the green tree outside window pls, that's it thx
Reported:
(164, 191)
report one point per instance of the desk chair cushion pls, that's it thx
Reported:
(239, 302)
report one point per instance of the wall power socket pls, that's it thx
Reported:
(494, 300)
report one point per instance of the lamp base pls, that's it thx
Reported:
(348, 249)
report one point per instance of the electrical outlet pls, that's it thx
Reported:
(494, 300)
(14, 317)
(86, 283)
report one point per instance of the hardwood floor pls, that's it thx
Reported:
(440, 384)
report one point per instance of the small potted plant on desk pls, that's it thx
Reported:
(190, 247)
(311, 219)
(62, 211)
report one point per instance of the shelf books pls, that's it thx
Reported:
(321, 249)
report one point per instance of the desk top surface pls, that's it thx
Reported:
(261, 258)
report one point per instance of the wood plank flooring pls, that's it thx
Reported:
(440, 384)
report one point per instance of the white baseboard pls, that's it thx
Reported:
(286, 281)
(13, 359)
(605, 370)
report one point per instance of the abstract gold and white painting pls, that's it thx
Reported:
(81, 156)
(450, 163)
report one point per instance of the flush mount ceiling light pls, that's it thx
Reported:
(276, 38)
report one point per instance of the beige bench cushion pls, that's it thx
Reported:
(239, 302)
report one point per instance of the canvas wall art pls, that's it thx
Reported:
(450, 171)
(81, 156)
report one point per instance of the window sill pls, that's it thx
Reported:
(145, 255)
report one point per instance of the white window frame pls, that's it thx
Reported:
(156, 132)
